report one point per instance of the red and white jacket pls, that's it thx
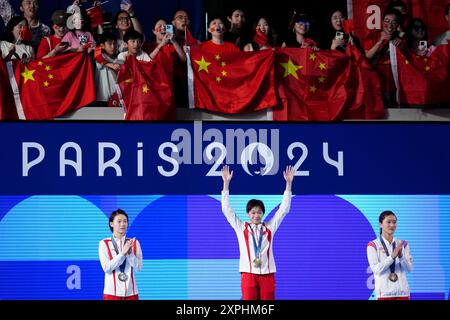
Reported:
(244, 231)
(111, 262)
(380, 261)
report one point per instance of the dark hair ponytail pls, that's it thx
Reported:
(383, 215)
(113, 215)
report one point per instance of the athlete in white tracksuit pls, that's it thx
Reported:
(256, 264)
(390, 260)
(120, 257)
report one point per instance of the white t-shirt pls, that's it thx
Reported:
(21, 49)
(141, 56)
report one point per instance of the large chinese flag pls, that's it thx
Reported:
(51, 87)
(311, 84)
(424, 80)
(237, 82)
(364, 89)
(368, 14)
(7, 108)
(146, 89)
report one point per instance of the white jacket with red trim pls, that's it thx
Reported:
(111, 262)
(244, 231)
(379, 262)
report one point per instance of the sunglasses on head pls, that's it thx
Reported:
(306, 23)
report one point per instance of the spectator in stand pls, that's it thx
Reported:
(78, 40)
(444, 38)
(134, 41)
(17, 41)
(126, 20)
(264, 37)
(401, 7)
(181, 25)
(299, 36)
(106, 66)
(377, 51)
(30, 9)
(217, 44)
(239, 32)
(51, 46)
(416, 33)
(165, 43)
(337, 36)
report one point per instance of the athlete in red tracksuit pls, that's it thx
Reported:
(120, 257)
(257, 265)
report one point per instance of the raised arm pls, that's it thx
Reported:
(288, 175)
(232, 218)
(285, 206)
(226, 177)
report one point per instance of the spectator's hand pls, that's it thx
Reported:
(59, 48)
(350, 39)
(113, 66)
(12, 50)
(396, 42)
(385, 36)
(128, 7)
(422, 52)
(167, 38)
(337, 43)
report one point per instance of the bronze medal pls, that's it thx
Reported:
(393, 277)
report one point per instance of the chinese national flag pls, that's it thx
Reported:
(311, 84)
(147, 89)
(7, 109)
(424, 80)
(232, 82)
(48, 88)
(96, 16)
(365, 101)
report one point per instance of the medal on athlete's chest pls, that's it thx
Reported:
(257, 236)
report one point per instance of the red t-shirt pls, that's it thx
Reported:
(219, 48)
(44, 47)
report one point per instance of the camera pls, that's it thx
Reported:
(339, 35)
(423, 45)
(64, 43)
(168, 28)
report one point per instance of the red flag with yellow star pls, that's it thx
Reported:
(364, 89)
(7, 108)
(423, 80)
(48, 88)
(311, 84)
(146, 89)
(231, 82)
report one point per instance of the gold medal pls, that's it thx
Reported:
(393, 277)
(257, 263)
